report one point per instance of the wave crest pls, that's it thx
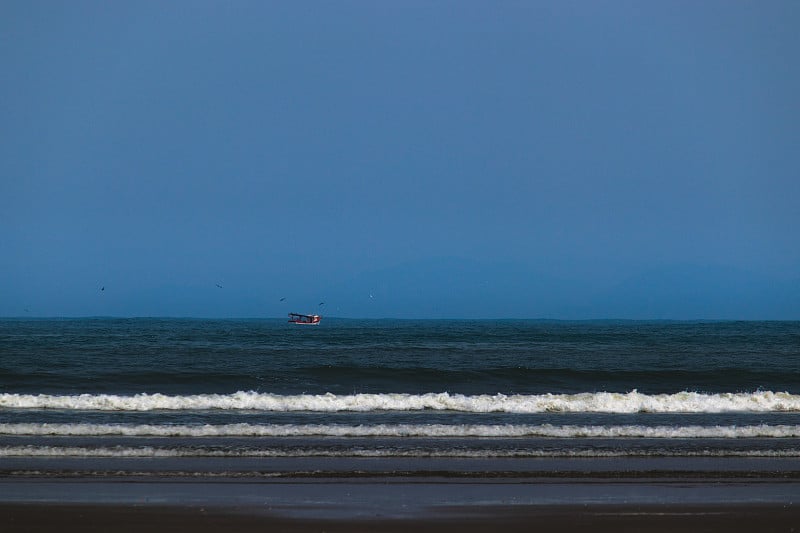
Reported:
(402, 430)
(588, 402)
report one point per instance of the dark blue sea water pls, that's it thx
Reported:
(364, 388)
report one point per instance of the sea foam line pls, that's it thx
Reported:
(588, 402)
(401, 430)
(155, 452)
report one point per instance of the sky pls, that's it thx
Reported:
(414, 159)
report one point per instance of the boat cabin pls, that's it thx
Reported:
(296, 318)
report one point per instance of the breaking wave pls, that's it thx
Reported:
(403, 430)
(589, 402)
(159, 452)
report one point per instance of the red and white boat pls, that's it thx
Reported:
(306, 320)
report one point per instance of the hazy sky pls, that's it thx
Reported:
(533, 159)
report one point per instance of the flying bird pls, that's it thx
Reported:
(282, 299)
(102, 288)
(218, 285)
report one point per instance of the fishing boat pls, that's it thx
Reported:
(308, 320)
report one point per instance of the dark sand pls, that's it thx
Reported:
(735, 495)
(612, 518)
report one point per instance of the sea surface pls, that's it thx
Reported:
(264, 388)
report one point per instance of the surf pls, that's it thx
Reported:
(588, 402)
(402, 430)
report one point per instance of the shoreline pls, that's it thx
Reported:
(398, 494)
(357, 501)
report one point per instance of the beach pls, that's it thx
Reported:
(343, 494)
(380, 504)
(518, 518)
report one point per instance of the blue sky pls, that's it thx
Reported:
(400, 159)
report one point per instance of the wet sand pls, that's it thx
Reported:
(391, 495)
(616, 518)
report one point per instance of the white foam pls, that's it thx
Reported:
(156, 452)
(597, 402)
(80, 451)
(403, 430)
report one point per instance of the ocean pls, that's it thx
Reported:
(195, 391)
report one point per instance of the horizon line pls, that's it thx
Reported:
(463, 319)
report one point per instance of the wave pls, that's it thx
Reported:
(589, 402)
(402, 430)
(164, 452)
